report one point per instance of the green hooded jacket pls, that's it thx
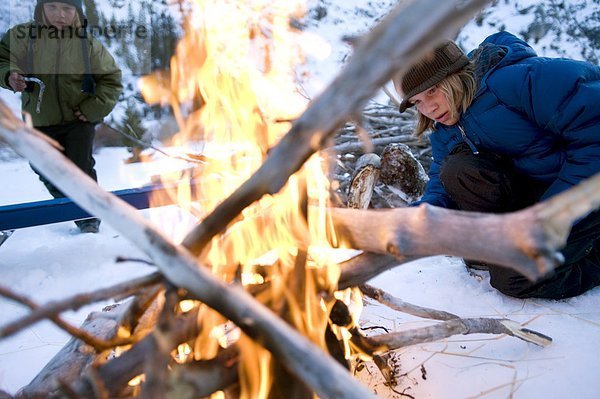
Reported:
(57, 61)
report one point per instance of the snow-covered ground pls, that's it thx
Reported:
(54, 261)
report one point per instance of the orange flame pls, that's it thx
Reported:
(232, 86)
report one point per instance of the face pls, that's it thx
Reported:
(59, 15)
(432, 103)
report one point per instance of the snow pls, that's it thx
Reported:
(54, 261)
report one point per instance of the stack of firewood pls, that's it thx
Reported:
(381, 146)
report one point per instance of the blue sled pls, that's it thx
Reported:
(38, 213)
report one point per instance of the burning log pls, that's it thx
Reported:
(117, 372)
(76, 357)
(297, 353)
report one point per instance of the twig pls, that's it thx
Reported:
(98, 344)
(392, 98)
(75, 302)
(454, 327)
(148, 145)
(405, 307)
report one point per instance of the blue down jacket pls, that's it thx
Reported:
(543, 113)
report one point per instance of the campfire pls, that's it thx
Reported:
(260, 299)
(239, 61)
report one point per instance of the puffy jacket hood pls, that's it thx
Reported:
(496, 51)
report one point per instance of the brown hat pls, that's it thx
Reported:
(445, 60)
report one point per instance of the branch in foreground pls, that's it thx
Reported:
(377, 58)
(299, 355)
(93, 341)
(527, 241)
(77, 301)
(449, 328)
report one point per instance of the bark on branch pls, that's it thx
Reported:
(325, 376)
(527, 241)
(408, 31)
(449, 328)
(75, 302)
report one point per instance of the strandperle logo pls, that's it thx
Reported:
(107, 31)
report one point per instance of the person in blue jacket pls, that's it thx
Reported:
(510, 129)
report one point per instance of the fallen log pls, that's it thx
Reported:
(527, 241)
(74, 357)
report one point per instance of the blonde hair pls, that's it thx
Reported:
(459, 90)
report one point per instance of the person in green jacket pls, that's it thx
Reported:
(68, 80)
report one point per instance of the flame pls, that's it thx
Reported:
(232, 86)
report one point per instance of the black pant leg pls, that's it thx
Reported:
(78, 142)
(77, 139)
(487, 183)
(579, 273)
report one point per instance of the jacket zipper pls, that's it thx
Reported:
(62, 115)
(467, 140)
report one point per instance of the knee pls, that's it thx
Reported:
(453, 168)
(510, 283)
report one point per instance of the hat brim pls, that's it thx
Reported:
(404, 105)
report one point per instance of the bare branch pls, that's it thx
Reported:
(75, 302)
(527, 241)
(405, 307)
(96, 343)
(449, 328)
(378, 56)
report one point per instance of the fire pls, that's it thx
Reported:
(232, 86)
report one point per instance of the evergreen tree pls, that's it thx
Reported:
(91, 13)
(164, 39)
(132, 126)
